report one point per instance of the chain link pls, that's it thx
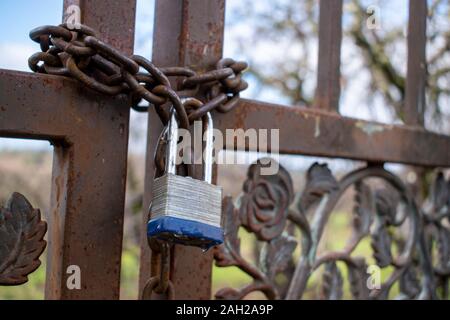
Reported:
(80, 54)
(160, 282)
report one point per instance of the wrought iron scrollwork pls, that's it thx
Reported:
(400, 233)
(437, 231)
(21, 240)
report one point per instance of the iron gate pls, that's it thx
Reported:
(90, 135)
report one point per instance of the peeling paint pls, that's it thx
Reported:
(317, 128)
(370, 128)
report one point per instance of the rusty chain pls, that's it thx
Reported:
(159, 282)
(79, 54)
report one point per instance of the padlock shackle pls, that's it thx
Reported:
(172, 145)
(209, 147)
(172, 141)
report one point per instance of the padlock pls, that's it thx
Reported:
(185, 210)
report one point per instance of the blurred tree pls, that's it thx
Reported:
(281, 44)
(270, 26)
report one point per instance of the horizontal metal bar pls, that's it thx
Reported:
(302, 130)
(321, 133)
(41, 106)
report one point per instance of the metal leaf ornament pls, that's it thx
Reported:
(276, 254)
(332, 283)
(265, 202)
(319, 181)
(440, 193)
(226, 254)
(21, 240)
(357, 277)
(386, 204)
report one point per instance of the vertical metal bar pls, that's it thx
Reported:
(414, 106)
(86, 219)
(186, 33)
(328, 67)
(88, 183)
(90, 136)
(416, 77)
(154, 129)
(114, 20)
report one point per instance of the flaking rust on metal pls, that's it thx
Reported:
(317, 128)
(370, 128)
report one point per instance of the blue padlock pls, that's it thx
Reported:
(185, 210)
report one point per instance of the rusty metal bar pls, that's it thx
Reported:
(186, 33)
(114, 20)
(90, 136)
(154, 129)
(328, 65)
(93, 224)
(320, 133)
(414, 107)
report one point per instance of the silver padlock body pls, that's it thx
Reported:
(186, 211)
(187, 198)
